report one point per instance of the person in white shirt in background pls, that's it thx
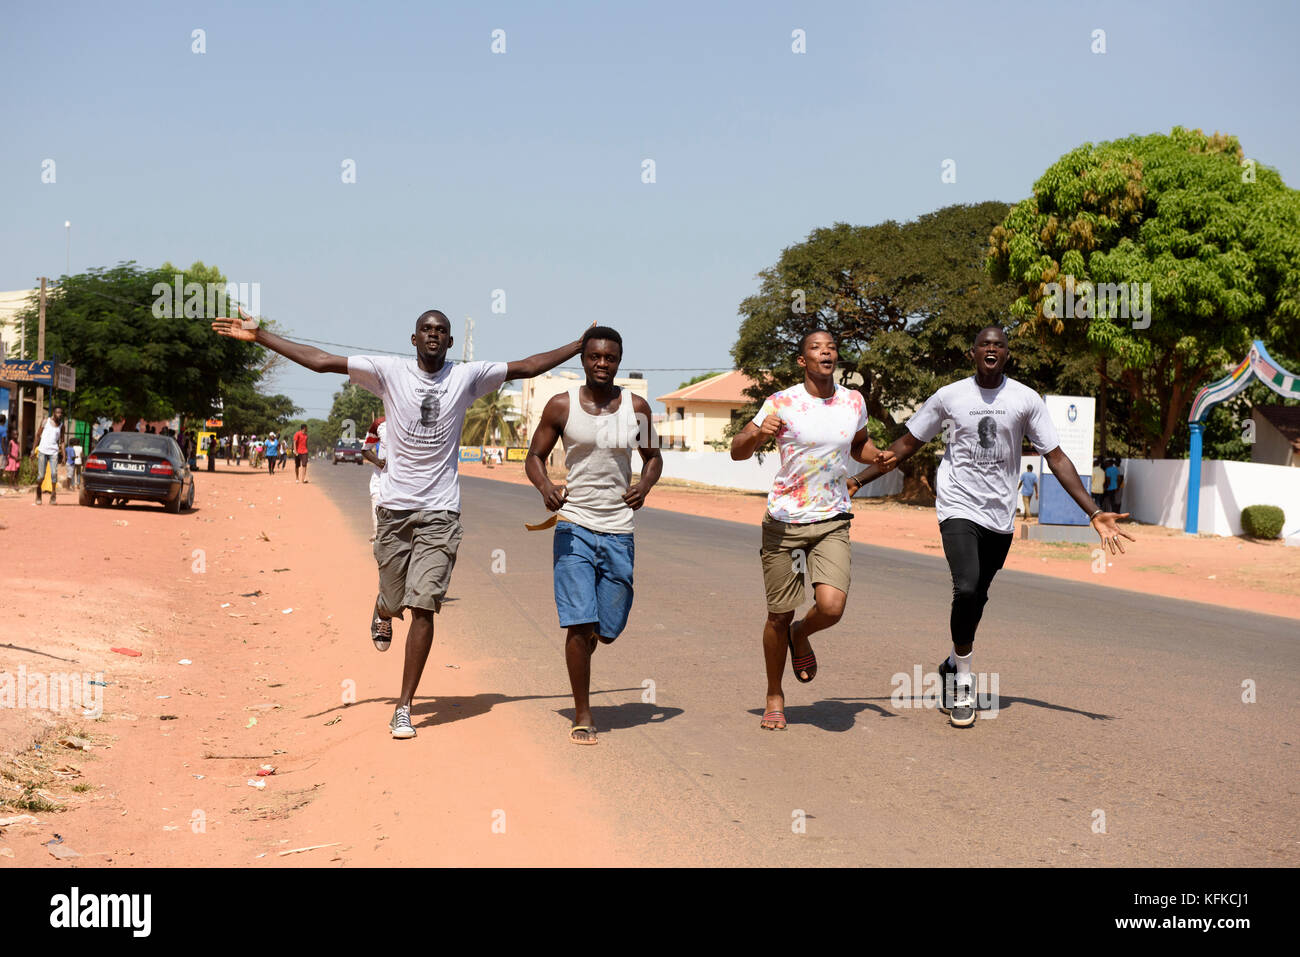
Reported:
(47, 453)
(376, 453)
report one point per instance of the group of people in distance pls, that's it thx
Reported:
(820, 429)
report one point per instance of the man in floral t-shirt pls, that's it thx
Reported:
(818, 427)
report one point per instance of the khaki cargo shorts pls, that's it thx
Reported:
(416, 552)
(795, 554)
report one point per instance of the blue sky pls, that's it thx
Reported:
(522, 171)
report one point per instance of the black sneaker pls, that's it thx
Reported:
(947, 675)
(381, 629)
(962, 714)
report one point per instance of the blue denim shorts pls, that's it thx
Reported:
(593, 578)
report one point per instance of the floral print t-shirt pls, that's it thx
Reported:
(815, 437)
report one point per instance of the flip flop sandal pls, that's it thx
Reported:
(590, 729)
(807, 663)
(773, 716)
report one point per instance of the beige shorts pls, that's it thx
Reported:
(795, 554)
(416, 552)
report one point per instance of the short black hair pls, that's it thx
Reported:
(986, 329)
(436, 313)
(803, 343)
(602, 332)
(1030, 467)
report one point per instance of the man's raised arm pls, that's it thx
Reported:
(246, 329)
(542, 362)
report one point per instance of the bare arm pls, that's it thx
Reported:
(752, 436)
(554, 415)
(1104, 523)
(247, 330)
(542, 362)
(652, 463)
(904, 447)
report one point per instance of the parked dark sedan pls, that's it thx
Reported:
(137, 465)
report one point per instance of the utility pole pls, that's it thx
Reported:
(467, 354)
(40, 348)
(22, 393)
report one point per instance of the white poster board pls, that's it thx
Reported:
(1073, 417)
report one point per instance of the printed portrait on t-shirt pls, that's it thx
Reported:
(429, 410)
(989, 450)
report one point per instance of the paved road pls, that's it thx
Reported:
(1121, 738)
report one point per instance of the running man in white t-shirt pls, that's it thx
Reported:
(819, 426)
(425, 400)
(987, 416)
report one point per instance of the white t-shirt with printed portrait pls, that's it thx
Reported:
(815, 441)
(979, 473)
(423, 413)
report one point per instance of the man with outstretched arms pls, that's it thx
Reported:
(425, 400)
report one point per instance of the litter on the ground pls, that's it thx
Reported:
(225, 604)
(266, 770)
(251, 722)
(253, 783)
(252, 594)
(185, 661)
(129, 652)
(19, 819)
(77, 744)
(287, 611)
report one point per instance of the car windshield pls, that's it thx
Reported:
(134, 442)
(349, 445)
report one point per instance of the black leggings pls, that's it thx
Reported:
(975, 554)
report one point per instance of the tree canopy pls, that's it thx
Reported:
(137, 357)
(1208, 239)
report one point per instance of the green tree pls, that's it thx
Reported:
(249, 412)
(1216, 236)
(489, 419)
(133, 362)
(904, 302)
(351, 413)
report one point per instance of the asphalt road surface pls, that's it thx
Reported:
(1121, 736)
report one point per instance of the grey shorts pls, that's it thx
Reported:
(416, 552)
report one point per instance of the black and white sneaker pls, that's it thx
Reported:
(947, 678)
(962, 714)
(381, 629)
(401, 723)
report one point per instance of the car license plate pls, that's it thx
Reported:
(129, 466)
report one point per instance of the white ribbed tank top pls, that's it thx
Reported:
(598, 456)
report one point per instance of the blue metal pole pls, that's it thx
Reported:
(1192, 521)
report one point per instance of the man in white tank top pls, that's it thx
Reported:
(594, 551)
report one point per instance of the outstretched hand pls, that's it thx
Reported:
(243, 328)
(1110, 532)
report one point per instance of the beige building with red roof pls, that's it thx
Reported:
(698, 414)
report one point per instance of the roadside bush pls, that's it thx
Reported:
(1262, 521)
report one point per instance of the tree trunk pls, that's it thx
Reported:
(1101, 404)
(916, 487)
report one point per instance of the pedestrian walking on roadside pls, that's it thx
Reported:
(48, 451)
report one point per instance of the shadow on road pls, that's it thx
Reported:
(830, 714)
(624, 716)
(443, 709)
(1004, 703)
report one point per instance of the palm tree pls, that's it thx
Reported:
(490, 417)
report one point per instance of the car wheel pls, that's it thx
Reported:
(189, 500)
(85, 498)
(174, 506)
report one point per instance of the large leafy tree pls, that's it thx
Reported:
(350, 415)
(1216, 236)
(904, 302)
(133, 363)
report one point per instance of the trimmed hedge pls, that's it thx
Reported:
(1262, 521)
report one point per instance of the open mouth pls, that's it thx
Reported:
(990, 360)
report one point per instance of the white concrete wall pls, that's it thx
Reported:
(718, 468)
(1155, 491)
